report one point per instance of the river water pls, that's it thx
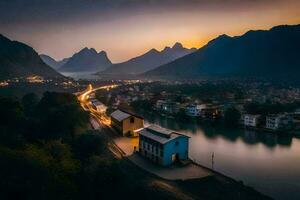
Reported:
(267, 162)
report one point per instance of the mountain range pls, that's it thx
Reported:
(148, 61)
(86, 60)
(52, 62)
(271, 53)
(20, 60)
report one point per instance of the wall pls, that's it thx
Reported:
(116, 124)
(128, 127)
(170, 148)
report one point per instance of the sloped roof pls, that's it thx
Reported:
(119, 115)
(160, 134)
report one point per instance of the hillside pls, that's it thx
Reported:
(52, 62)
(272, 54)
(20, 60)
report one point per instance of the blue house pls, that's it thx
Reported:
(163, 146)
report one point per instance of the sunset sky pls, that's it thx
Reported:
(127, 28)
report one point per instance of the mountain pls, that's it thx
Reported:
(52, 62)
(272, 53)
(148, 61)
(20, 60)
(86, 60)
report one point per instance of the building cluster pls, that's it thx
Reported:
(3, 83)
(274, 122)
(64, 83)
(171, 103)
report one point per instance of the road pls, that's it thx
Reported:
(85, 102)
(100, 120)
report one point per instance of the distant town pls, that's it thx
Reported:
(260, 106)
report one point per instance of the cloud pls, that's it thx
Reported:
(61, 11)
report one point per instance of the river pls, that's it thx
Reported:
(267, 162)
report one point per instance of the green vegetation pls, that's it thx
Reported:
(143, 105)
(36, 148)
(270, 108)
(47, 153)
(232, 117)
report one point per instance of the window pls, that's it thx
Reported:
(132, 120)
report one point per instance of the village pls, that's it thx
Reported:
(269, 109)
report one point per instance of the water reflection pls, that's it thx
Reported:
(249, 137)
(268, 162)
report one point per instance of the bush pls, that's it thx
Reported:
(89, 144)
(232, 117)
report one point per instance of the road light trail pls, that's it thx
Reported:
(102, 118)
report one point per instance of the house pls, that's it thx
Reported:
(210, 112)
(163, 146)
(194, 110)
(159, 104)
(251, 120)
(126, 122)
(279, 122)
(170, 107)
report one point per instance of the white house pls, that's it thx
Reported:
(163, 146)
(251, 120)
(159, 104)
(276, 122)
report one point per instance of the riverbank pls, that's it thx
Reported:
(231, 189)
(213, 185)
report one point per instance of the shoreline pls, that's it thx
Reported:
(236, 185)
(216, 176)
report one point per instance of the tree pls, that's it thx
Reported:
(29, 102)
(232, 117)
(61, 116)
(12, 121)
(12, 112)
(181, 115)
(143, 105)
(89, 144)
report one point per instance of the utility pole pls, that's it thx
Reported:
(212, 160)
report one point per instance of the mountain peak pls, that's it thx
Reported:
(166, 49)
(223, 36)
(177, 45)
(252, 54)
(220, 38)
(88, 50)
(102, 53)
(153, 50)
(86, 60)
